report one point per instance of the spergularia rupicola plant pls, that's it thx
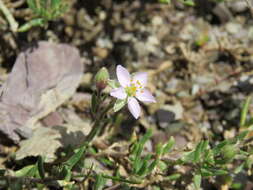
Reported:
(131, 88)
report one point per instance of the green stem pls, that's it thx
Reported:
(96, 128)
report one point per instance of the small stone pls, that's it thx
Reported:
(233, 28)
(229, 134)
(86, 79)
(100, 52)
(238, 6)
(69, 31)
(52, 119)
(102, 15)
(195, 89)
(153, 40)
(104, 43)
(157, 20)
(164, 117)
(175, 108)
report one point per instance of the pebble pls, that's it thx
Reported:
(164, 117)
(157, 20)
(100, 52)
(238, 6)
(233, 28)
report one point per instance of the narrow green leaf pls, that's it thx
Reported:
(31, 4)
(99, 182)
(136, 153)
(239, 168)
(30, 24)
(197, 152)
(206, 172)
(2, 172)
(152, 166)
(208, 156)
(143, 170)
(106, 161)
(188, 2)
(75, 158)
(55, 3)
(40, 166)
(162, 165)
(147, 136)
(217, 149)
(242, 135)
(172, 177)
(137, 148)
(164, 1)
(28, 171)
(137, 164)
(119, 104)
(134, 150)
(65, 173)
(144, 165)
(188, 156)
(117, 178)
(197, 181)
(159, 149)
(244, 112)
(168, 146)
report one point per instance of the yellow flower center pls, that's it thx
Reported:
(132, 89)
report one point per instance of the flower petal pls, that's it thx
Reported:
(142, 77)
(118, 93)
(134, 107)
(145, 96)
(123, 76)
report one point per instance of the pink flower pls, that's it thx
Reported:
(132, 88)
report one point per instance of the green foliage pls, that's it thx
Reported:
(144, 165)
(72, 161)
(213, 161)
(44, 10)
(243, 121)
(40, 166)
(35, 22)
(28, 171)
(99, 182)
(206, 160)
(197, 181)
(48, 9)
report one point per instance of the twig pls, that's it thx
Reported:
(9, 17)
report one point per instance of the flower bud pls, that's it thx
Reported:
(101, 78)
(228, 152)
